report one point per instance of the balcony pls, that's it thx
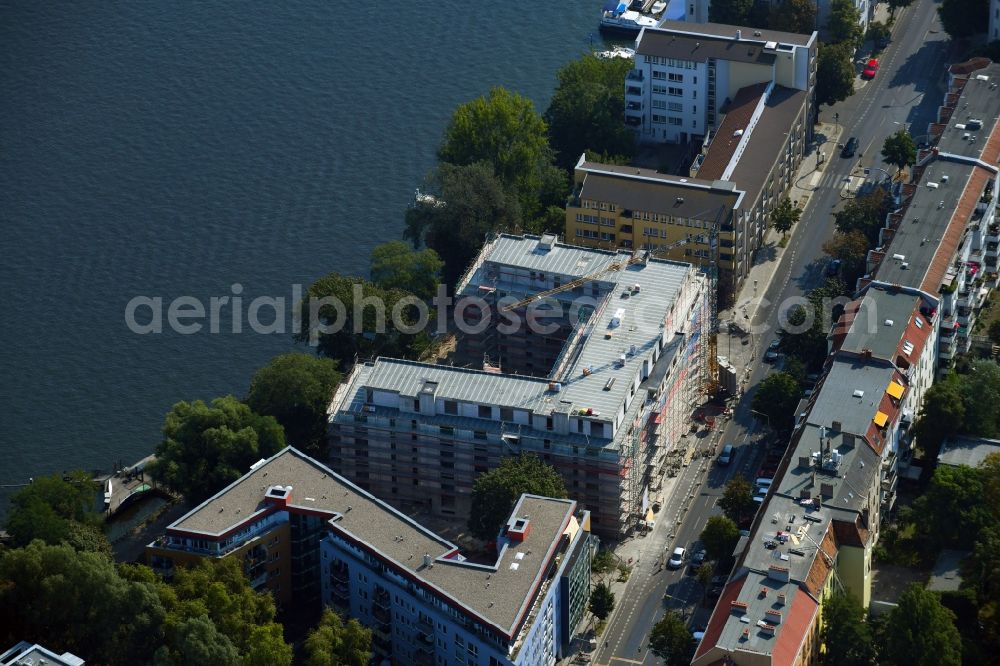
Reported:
(633, 91)
(633, 106)
(634, 75)
(382, 616)
(340, 574)
(633, 121)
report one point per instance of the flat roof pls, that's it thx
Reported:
(971, 451)
(869, 330)
(633, 189)
(727, 31)
(667, 43)
(979, 100)
(851, 393)
(498, 593)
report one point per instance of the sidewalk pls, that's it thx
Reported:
(741, 350)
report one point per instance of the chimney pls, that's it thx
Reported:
(739, 34)
(428, 561)
(519, 530)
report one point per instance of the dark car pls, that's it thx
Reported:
(833, 268)
(850, 148)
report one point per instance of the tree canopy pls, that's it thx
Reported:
(846, 635)
(785, 215)
(952, 508)
(844, 23)
(586, 110)
(495, 492)
(921, 632)
(960, 403)
(793, 16)
(206, 447)
(719, 537)
(737, 499)
(851, 248)
(964, 18)
(361, 320)
(56, 509)
(865, 214)
(334, 642)
(671, 641)
(296, 389)
(504, 130)
(899, 149)
(471, 203)
(776, 397)
(602, 601)
(732, 12)
(834, 73)
(396, 265)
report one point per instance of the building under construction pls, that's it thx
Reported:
(618, 395)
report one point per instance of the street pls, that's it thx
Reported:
(906, 92)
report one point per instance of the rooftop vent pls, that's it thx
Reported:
(738, 133)
(858, 393)
(739, 34)
(679, 200)
(428, 560)
(888, 322)
(547, 242)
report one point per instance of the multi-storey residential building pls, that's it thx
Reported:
(616, 398)
(26, 653)
(742, 172)
(425, 603)
(943, 240)
(994, 20)
(686, 73)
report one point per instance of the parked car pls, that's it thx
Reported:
(697, 559)
(677, 558)
(726, 456)
(870, 69)
(850, 148)
(833, 268)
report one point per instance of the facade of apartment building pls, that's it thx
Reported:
(721, 210)
(422, 599)
(615, 400)
(994, 20)
(686, 73)
(943, 240)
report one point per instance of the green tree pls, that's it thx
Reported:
(777, 396)
(877, 31)
(865, 214)
(784, 216)
(604, 562)
(793, 16)
(551, 220)
(921, 632)
(472, 202)
(585, 113)
(57, 508)
(334, 642)
(899, 150)
(504, 130)
(78, 602)
(720, 536)
(941, 415)
(846, 635)
(704, 577)
(980, 390)
(851, 248)
(733, 12)
(207, 447)
(602, 601)
(952, 508)
(896, 4)
(671, 641)
(964, 18)
(396, 265)
(994, 331)
(495, 492)
(844, 23)
(984, 578)
(296, 390)
(349, 318)
(737, 499)
(834, 73)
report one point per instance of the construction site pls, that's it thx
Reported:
(594, 360)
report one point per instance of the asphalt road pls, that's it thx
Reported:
(906, 91)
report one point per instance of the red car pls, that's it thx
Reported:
(870, 69)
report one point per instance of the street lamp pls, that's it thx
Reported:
(766, 417)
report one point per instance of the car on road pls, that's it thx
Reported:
(850, 148)
(870, 69)
(676, 558)
(772, 354)
(726, 456)
(697, 559)
(833, 268)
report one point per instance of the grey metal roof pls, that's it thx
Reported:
(562, 259)
(969, 451)
(977, 101)
(746, 34)
(674, 44)
(836, 400)
(869, 329)
(497, 593)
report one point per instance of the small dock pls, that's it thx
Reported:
(124, 486)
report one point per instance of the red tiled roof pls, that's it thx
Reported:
(969, 66)
(795, 629)
(819, 572)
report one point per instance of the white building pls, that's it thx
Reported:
(685, 74)
(994, 20)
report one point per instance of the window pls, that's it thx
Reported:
(659, 90)
(675, 92)
(674, 120)
(506, 414)
(659, 74)
(674, 106)
(479, 434)
(450, 407)
(658, 119)
(485, 412)
(678, 78)
(659, 104)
